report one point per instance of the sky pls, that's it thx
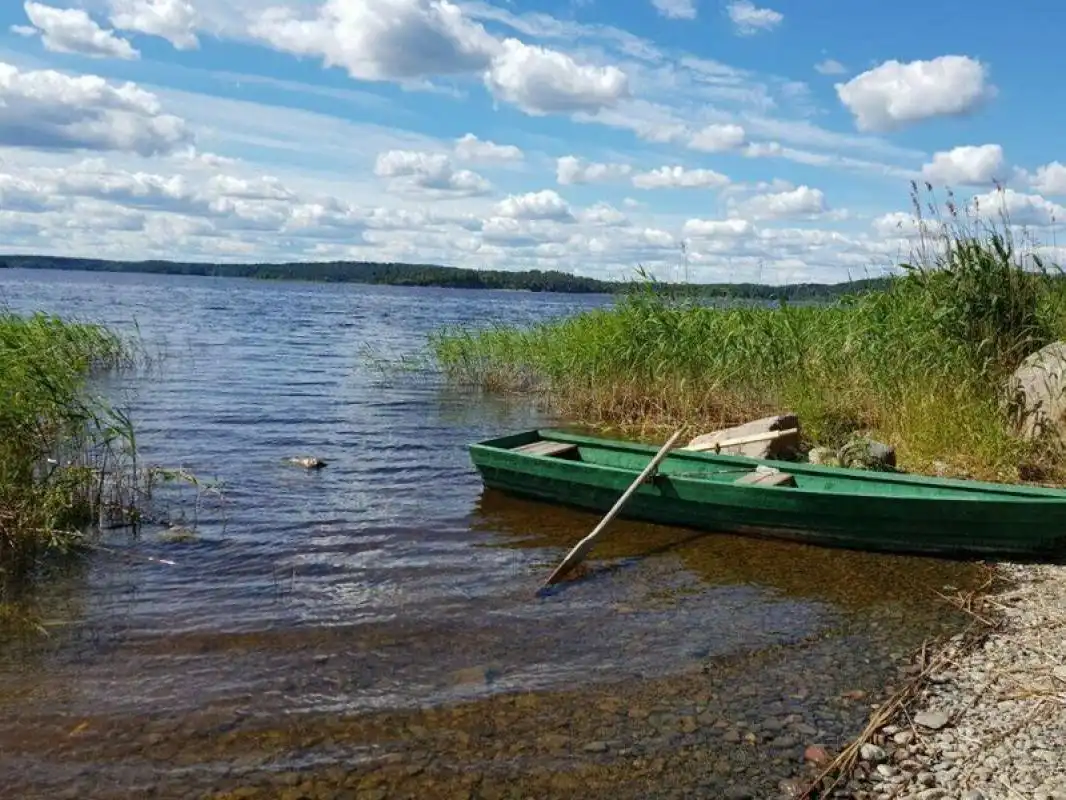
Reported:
(722, 140)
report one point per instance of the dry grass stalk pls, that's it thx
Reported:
(930, 663)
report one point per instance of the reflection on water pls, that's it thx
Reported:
(387, 583)
(848, 580)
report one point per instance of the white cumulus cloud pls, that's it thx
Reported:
(896, 94)
(173, 20)
(543, 205)
(678, 177)
(381, 40)
(48, 110)
(970, 164)
(72, 30)
(413, 170)
(803, 201)
(718, 138)
(603, 214)
(749, 19)
(1050, 179)
(470, 148)
(901, 224)
(571, 170)
(717, 228)
(542, 81)
(1018, 208)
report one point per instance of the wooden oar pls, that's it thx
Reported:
(755, 437)
(575, 556)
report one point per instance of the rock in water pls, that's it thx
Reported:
(307, 462)
(1035, 393)
(864, 453)
(783, 447)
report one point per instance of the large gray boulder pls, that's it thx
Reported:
(782, 447)
(1036, 393)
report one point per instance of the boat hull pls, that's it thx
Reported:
(896, 514)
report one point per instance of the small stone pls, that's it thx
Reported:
(974, 794)
(934, 720)
(872, 753)
(903, 738)
(805, 729)
(739, 793)
(596, 747)
(784, 742)
(855, 694)
(554, 741)
(732, 736)
(931, 794)
(816, 754)
(886, 770)
(925, 778)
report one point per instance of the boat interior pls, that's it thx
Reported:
(777, 475)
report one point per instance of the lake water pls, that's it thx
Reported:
(315, 615)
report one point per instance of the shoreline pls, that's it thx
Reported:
(987, 716)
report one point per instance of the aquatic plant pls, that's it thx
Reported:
(919, 363)
(67, 458)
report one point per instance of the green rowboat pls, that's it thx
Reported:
(834, 506)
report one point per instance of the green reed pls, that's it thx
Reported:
(920, 364)
(67, 458)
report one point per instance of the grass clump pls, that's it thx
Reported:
(920, 364)
(67, 459)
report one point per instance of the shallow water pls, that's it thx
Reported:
(315, 612)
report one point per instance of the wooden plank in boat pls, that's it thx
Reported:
(767, 478)
(546, 448)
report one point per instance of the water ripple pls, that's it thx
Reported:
(392, 555)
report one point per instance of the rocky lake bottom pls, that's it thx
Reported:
(322, 712)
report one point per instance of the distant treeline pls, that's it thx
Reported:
(431, 275)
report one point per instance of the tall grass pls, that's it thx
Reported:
(919, 365)
(67, 459)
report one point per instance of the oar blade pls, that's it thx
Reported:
(581, 548)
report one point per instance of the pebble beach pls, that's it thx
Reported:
(990, 721)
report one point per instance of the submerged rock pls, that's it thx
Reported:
(307, 462)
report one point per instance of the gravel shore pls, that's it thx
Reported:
(991, 725)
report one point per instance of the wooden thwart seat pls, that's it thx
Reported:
(546, 448)
(766, 478)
